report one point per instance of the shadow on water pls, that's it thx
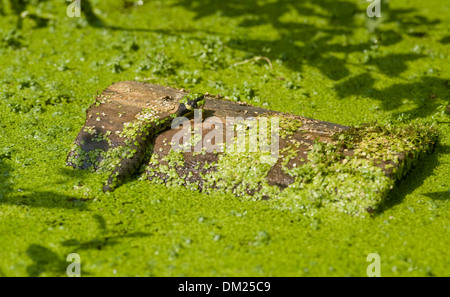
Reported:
(441, 195)
(336, 18)
(44, 199)
(19, 8)
(32, 198)
(422, 93)
(302, 42)
(417, 176)
(105, 238)
(5, 173)
(25, 197)
(317, 42)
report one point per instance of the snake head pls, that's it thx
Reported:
(190, 102)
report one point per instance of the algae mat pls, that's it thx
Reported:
(328, 61)
(313, 164)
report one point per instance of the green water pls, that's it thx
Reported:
(328, 61)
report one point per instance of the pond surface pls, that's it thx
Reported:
(321, 59)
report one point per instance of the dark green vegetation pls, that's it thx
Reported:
(327, 61)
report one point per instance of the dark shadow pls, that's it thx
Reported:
(19, 9)
(422, 93)
(394, 64)
(415, 179)
(105, 238)
(5, 173)
(442, 195)
(29, 197)
(45, 260)
(100, 221)
(18, 6)
(317, 50)
(302, 43)
(92, 19)
(408, 18)
(445, 40)
(72, 174)
(388, 37)
(100, 242)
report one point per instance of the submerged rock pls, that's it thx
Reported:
(120, 126)
(247, 151)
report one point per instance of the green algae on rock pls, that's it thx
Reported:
(120, 125)
(350, 177)
(318, 164)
